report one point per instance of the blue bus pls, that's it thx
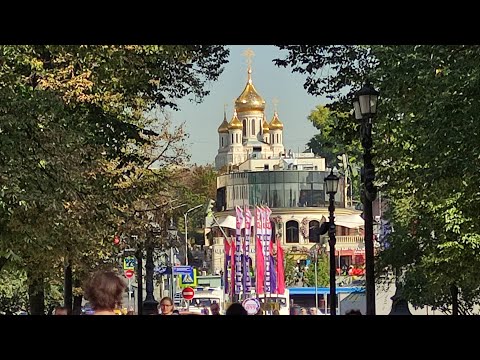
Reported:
(352, 297)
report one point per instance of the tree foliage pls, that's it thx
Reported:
(78, 148)
(426, 154)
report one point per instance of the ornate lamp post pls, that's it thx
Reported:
(331, 187)
(150, 305)
(365, 105)
(172, 234)
(186, 232)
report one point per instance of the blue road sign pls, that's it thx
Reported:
(162, 269)
(182, 270)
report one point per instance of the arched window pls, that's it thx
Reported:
(232, 138)
(222, 141)
(278, 142)
(253, 126)
(237, 138)
(312, 231)
(292, 231)
(244, 127)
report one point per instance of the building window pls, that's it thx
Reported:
(244, 127)
(222, 141)
(278, 142)
(312, 231)
(253, 126)
(232, 138)
(236, 138)
(292, 231)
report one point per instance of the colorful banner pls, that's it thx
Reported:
(226, 265)
(259, 260)
(267, 231)
(247, 283)
(280, 268)
(238, 250)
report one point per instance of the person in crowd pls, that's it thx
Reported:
(105, 291)
(61, 310)
(312, 311)
(175, 312)
(215, 309)
(166, 306)
(353, 312)
(236, 309)
(276, 312)
(303, 311)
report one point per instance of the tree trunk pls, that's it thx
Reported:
(36, 295)
(454, 292)
(77, 300)
(67, 290)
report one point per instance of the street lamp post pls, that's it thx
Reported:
(365, 105)
(331, 187)
(186, 232)
(150, 305)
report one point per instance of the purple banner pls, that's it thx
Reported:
(247, 282)
(238, 250)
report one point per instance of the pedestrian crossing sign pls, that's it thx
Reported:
(188, 279)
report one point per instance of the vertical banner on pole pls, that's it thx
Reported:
(266, 226)
(238, 250)
(226, 265)
(259, 261)
(247, 283)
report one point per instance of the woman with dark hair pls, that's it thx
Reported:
(105, 291)
(236, 309)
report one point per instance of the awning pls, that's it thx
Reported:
(353, 221)
(229, 222)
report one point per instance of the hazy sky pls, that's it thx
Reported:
(294, 104)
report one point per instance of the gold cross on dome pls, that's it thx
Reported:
(249, 54)
(275, 103)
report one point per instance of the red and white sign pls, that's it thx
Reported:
(188, 293)
(129, 274)
(252, 305)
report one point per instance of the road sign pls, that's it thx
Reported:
(188, 279)
(182, 270)
(129, 274)
(129, 263)
(188, 293)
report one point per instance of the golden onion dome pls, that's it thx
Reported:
(249, 99)
(235, 123)
(276, 124)
(223, 128)
(265, 126)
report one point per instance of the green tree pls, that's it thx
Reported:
(74, 125)
(426, 154)
(323, 272)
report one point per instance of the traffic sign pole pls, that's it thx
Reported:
(129, 293)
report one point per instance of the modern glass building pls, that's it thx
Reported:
(275, 189)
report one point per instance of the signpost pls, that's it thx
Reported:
(129, 274)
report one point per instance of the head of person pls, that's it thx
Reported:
(275, 312)
(215, 309)
(303, 311)
(105, 291)
(312, 311)
(166, 306)
(61, 310)
(353, 312)
(236, 309)
(175, 312)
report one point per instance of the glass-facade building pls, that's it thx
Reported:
(275, 189)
